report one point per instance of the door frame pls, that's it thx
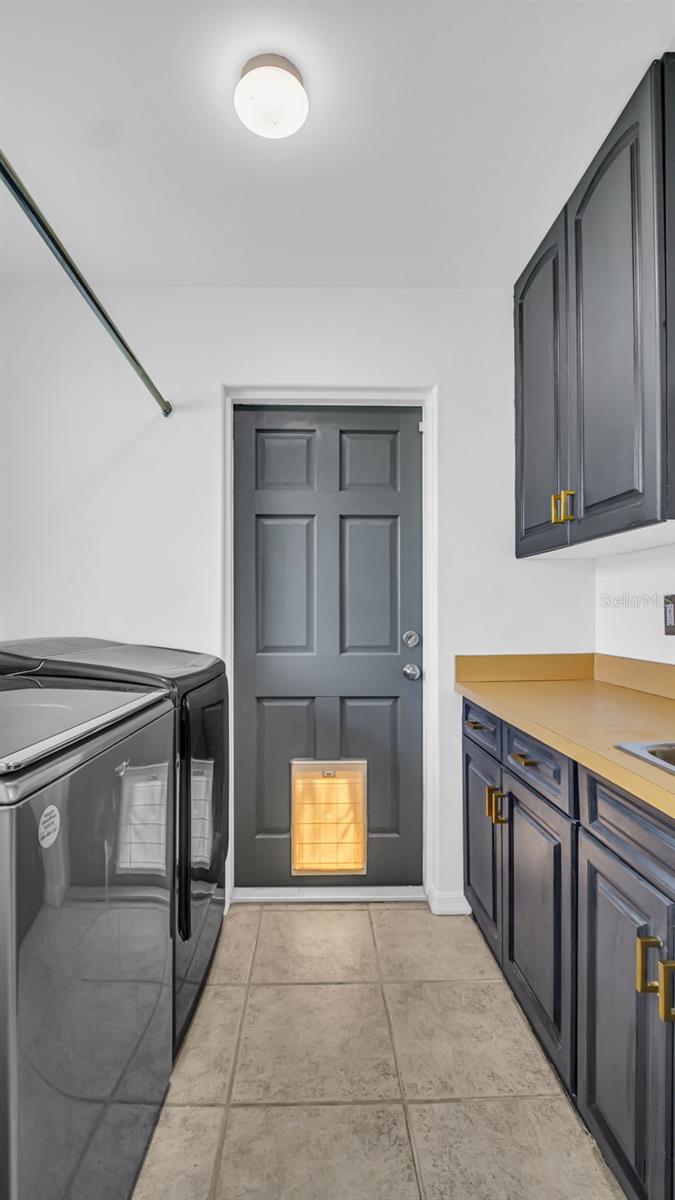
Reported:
(425, 398)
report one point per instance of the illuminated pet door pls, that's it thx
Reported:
(328, 817)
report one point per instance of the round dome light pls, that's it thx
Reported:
(270, 99)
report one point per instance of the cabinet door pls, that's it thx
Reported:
(616, 325)
(538, 948)
(625, 1051)
(540, 316)
(482, 845)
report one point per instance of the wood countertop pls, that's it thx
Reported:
(585, 719)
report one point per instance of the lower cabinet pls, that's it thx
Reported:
(579, 914)
(482, 844)
(625, 1083)
(538, 951)
(519, 876)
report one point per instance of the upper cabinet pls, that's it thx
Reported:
(615, 231)
(595, 416)
(540, 318)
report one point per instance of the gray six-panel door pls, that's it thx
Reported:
(328, 577)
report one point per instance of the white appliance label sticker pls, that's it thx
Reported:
(48, 829)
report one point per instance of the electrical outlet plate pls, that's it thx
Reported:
(669, 614)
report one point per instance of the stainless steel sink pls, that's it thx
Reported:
(659, 754)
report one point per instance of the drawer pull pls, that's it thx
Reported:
(665, 986)
(492, 797)
(475, 725)
(642, 984)
(523, 760)
(556, 518)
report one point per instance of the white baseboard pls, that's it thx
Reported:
(315, 895)
(448, 904)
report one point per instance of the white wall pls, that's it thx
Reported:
(114, 522)
(629, 591)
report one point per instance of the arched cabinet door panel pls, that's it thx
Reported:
(616, 325)
(625, 1050)
(482, 845)
(540, 319)
(539, 944)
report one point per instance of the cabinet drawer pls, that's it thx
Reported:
(482, 727)
(642, 837)
(551, 773)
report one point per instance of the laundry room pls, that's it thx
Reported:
(337, 600)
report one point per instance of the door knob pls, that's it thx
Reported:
(412, 671)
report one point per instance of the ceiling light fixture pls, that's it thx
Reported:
(270, 99)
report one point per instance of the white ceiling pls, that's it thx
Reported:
(442, 139)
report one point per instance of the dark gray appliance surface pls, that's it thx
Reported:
(99, 658)
(198, 684)
(86, 871)
(38, 716)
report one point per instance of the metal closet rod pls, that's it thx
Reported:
(38, 219)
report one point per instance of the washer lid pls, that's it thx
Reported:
(96, 658)
(39, 716)
(162, 661)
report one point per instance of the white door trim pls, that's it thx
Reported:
(363, 397)
(334, 895)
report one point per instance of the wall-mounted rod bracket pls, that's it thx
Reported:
(40, 222)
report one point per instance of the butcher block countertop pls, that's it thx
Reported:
(583, 705)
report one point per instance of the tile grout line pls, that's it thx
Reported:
(484, 981)
(411, 1101)
(417, 1166)
(235, 1058)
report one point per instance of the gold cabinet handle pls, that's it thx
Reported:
(566, 513)
(556, 518)
(488, 801)
(497, 818)
(475, 725)
(523, 760)
(492, 797)
(665, 989)
(642, 947)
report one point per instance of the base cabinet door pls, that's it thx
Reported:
(482, 845)
(539, 954)
(625, 1052)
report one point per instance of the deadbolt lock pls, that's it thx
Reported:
(410, 639)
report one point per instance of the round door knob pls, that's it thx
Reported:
(412, 671)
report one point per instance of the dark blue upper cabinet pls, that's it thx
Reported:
(595, 405)
(540, 329)
(669, 206)
(625, 1052)
(617, 310)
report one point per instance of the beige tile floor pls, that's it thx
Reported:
(364, 1052)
